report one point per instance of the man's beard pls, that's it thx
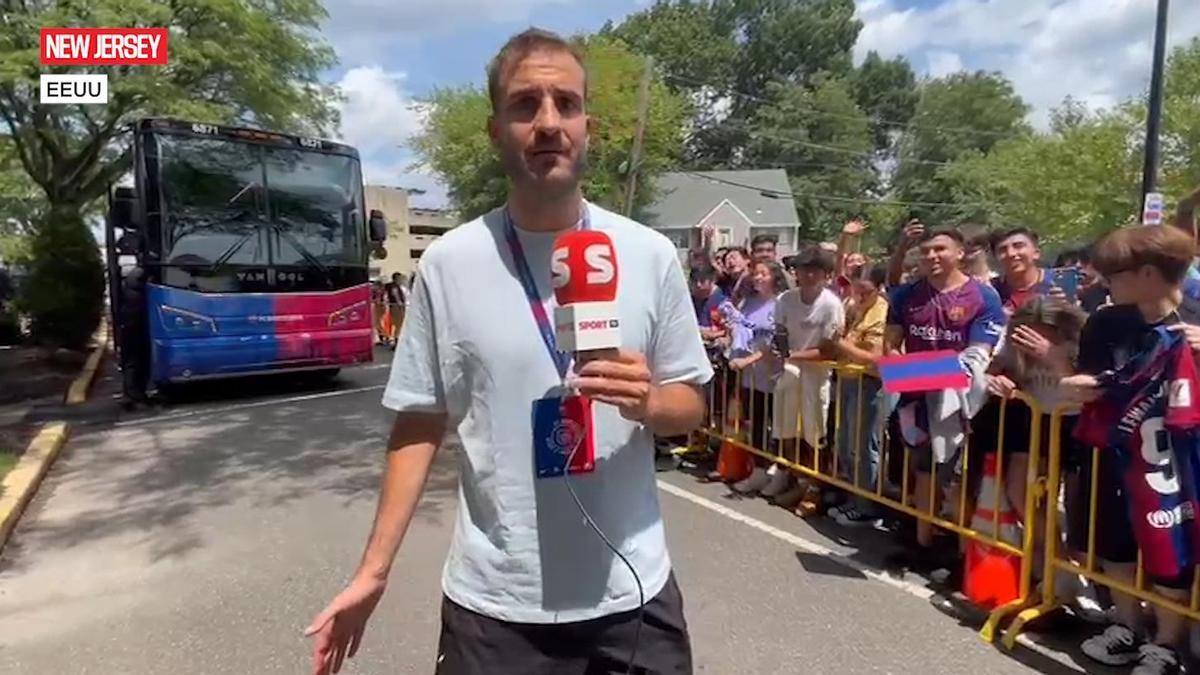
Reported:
(519, 172)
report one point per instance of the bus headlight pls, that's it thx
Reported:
(182, 320)
(348, 315)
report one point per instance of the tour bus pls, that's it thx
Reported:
(250, 250)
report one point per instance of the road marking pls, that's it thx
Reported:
(797, 541)
(814, 548)
(243, 406)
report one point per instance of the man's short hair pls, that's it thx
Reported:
(945, 232)
(1075, 256)
(518, 48)
(814, 257)
(1014, 232)
(740, 250)
(702, 273)
(1167, 249)
(764, 239)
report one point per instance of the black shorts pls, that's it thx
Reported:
(473, 644)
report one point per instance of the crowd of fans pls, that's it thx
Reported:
(773, 326)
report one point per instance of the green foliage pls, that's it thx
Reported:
(455, 143)
(1069, 185)
(796, 130)
(959, 115)
(65, 282)
(1181, 121)
(887, 92)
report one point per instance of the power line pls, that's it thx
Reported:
(813, 195)
(870, 118)
(831, 148)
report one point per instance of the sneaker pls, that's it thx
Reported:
(790, 498)
(756, 481)
(836, 511)
(850, 516)
(1116, 646)
(1155, 659)
(781, 480)
(810, 504)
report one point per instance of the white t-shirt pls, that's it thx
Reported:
(808, 324)
(470, 348)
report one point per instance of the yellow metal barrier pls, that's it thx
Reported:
(1055, 561)
(729, 432)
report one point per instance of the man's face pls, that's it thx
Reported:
(1017, 254)
(764, 251)
(811, 278)
(940, 256)
(702, 288)
(1144, 284)
(735, 262)
(540, 127)
(864, 291)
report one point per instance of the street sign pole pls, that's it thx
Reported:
(1154, 107)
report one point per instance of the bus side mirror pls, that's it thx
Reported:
(120, 210)
(378, 226)
(130, 243)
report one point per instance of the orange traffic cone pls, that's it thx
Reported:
(992, 577)
(734, 463)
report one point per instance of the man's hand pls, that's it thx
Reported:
(1031, 342)
(622, 381)
(739, 364)
(1191, 334)
(853, 228)
(913, 232)
(1001, 386)
(1080, 388)
(339, 627)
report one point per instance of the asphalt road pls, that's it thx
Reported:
(202, 537)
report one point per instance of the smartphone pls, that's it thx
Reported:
(1068, 279)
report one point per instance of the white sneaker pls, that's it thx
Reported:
(781, 480)
(757, 480)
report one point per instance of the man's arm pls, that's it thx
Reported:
(414, 440)
(675, 409)
(913, 232)
(893, 339)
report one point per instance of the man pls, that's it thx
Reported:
(1021, 277)
(528, 587)
(763, 247)
(1146, 268)
(944, 310)
(736, 261)
(706, 298)
(1185, 220)
(810, 314)
(397, 300)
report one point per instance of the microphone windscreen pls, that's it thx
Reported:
(584, 268)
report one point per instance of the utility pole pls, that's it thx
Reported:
(635, 155)
(1154, 108)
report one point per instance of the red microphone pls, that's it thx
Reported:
(583, 268)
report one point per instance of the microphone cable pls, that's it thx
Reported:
(637, 631)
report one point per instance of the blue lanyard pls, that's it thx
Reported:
(561, 361)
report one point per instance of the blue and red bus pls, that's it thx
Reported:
(251, 253)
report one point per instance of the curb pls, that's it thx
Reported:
(22, 482)
(78, 391)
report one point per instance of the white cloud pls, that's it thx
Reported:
(1097, 51)
(942, 63)
(380, 118)
(361, 30)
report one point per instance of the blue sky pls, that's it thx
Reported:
(393, 52)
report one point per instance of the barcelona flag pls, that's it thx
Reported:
(922, 372)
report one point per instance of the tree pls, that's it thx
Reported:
(824, 142)
(1070, 185)
(254, 63)
(957, 115)
(887, 92)
(1181, 121)
(741, 46)
(456, 146)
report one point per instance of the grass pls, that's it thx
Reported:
(8, 459)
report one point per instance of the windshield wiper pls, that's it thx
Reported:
(301, 249)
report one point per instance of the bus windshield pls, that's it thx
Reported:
(229, 204)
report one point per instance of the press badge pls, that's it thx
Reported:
(562, 426)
